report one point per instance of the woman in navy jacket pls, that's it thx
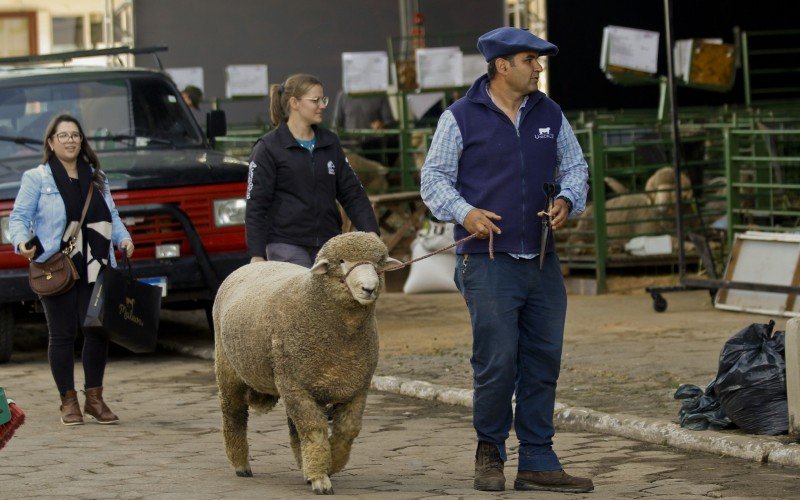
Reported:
(298, 172)
(49, 204)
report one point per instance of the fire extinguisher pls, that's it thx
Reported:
(418, 31)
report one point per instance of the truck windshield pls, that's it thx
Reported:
(115, 114)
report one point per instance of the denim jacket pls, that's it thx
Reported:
(39, 210)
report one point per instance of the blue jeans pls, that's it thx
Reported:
(517, 314)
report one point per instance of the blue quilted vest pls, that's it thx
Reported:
(503, 170)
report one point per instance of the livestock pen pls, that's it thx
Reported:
(752, 150)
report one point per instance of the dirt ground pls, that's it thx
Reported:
(619, 354)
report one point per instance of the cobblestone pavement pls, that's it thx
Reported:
(169, 445)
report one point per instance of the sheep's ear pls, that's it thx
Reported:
(320, 267)
(392, 261)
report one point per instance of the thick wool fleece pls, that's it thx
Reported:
(284, 331)
(278, 318)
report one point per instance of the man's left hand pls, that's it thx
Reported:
(558, 213)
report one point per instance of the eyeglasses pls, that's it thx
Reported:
(318, 101)
(64, 137)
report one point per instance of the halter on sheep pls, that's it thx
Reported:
(404, 264)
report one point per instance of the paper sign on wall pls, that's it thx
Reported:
(187, 76)
(439, 67)
(473, 67)
(246, 80)
(365, 71)
(629, 48)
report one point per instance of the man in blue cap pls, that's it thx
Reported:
(491, 155)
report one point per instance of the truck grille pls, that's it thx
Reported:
(197, 202)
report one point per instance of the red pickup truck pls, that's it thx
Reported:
(182, 201)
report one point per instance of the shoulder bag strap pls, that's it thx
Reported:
(80, 223)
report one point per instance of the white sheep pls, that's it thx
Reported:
(634, 214)
(309, 336)
(660, 187)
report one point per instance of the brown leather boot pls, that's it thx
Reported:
(97, 408)
(553, 480)
(488, 468)
(70, 409)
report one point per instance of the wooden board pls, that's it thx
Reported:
(712, 65)
(762, 258)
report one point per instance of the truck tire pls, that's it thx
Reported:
(6, 332)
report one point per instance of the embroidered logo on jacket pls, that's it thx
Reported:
(250, 178)
(331, 168)
(544, 133)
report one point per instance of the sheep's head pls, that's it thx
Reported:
(660, 188)
(358, 258)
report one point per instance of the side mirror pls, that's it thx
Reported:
(216, 124)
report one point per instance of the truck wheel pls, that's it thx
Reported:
(6, 332)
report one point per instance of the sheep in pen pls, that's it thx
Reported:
(649, 213)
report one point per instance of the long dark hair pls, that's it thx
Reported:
(279, 94)
(87, 153)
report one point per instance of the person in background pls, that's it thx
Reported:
(193, 96)
(354, 113)
(49, 203)
(492, 153)
(298, 172)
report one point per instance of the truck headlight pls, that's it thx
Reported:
(5, 238)
(229, 212)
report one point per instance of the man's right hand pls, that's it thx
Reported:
(480, 221)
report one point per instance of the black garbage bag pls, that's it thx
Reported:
(701, 410)
(751, 380)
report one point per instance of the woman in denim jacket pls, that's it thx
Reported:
(49, 204)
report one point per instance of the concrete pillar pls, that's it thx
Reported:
(793, 373)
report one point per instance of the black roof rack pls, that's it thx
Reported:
(76, 54)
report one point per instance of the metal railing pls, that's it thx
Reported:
(770, 65)
(763, 169)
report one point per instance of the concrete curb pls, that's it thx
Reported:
(756, 448)
(661, 432)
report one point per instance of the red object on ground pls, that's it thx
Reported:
(8, 428)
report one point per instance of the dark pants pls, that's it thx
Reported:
(518, 315)
(296, 254)
(65, 314)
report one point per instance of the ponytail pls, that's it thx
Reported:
(279, 94)
(276, 112)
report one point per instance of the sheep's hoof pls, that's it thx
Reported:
(322, 486)
(245, 472)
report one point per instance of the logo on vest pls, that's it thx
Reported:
(126, 311)
(544, 133)
(331, 168)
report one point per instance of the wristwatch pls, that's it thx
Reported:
(569, 203)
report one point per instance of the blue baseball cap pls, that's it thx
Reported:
(507, 41)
